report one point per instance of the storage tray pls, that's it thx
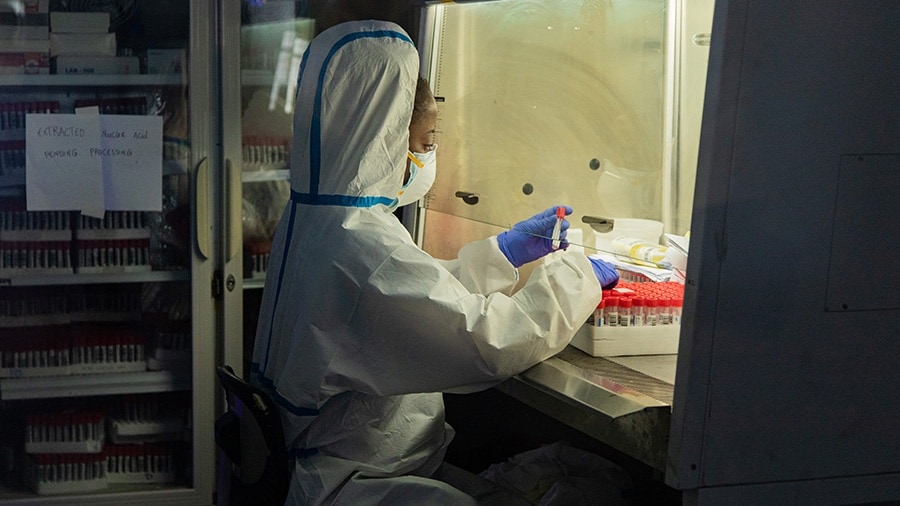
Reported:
(621, 341)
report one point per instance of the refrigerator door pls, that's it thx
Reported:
(263, 44)
(106, 226)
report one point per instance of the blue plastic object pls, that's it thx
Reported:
(605, 272)
(530, 239)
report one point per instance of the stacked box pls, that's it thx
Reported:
(24, 38)
(81, 34)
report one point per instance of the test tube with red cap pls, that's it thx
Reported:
(557, 227)
(625, 304)
(599, 313)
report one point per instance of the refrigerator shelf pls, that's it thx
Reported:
(69, 486)
(93, 80)
(258, 176)
(138, 478)
(123, 431)
(94, 384)
(35, 279)
(88, 446)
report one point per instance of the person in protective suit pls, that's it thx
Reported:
(360, 331)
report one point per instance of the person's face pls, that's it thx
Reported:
(421, 134)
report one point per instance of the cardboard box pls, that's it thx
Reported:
(24, 46)
(24, 32)
(26, 6)
(166, 61)
(24, 26)
(82, 44)
(79, 22)
(24, 63)
(11, 64)
(96, 65)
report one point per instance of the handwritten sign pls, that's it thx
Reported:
(77, 161)
(60, 174)
(130, 148)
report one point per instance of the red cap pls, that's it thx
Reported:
(560, 212)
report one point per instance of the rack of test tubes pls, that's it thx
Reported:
(634, 318)
(64, 451)
(60, 242)
(36, 242)
(76, 450)
(119, 242)
(257, 253)
(148, 418)
(88, 329)
(63, 350)
(265, 152)
(169, 349)
(12, 137)
(140, 463)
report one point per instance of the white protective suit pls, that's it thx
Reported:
(360, 330)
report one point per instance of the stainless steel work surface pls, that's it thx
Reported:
(624, 402)
(651, 375)
(661, 367)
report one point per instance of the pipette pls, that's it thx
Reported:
(560, 215)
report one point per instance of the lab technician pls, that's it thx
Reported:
(421, 168)
(360, 330)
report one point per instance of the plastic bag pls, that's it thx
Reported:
(559, 474)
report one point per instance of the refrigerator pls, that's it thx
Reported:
(108, 331)
(144, 165)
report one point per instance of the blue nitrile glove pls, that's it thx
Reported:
(605, 272)
(530, 239)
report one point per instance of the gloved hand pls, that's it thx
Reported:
(530, 239)
(605, 272)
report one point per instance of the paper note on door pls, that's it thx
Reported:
(60, 173)
(130, 148)
(75, 162)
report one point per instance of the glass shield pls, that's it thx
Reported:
(273, 39)
(545, 103)
(97, 207)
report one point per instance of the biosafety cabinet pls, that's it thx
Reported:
(141, 178)
(770, 132)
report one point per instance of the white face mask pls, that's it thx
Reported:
(420, 178)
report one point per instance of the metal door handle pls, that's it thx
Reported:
(201, 207)
(468, 197)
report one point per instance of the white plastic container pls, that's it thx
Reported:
(635, 228)
(575, 236)
(639, 251)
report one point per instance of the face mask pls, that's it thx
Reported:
(420, 178)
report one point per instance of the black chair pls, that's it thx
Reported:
(253, 465)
